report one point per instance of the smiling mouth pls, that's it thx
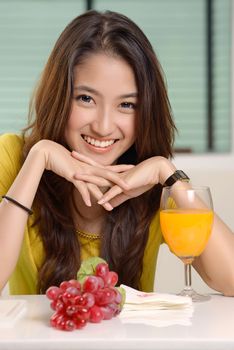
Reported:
(98, 143)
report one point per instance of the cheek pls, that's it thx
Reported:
(71, 126)
(129, 127)
(80, 117)
(73, 119)
(76, 120)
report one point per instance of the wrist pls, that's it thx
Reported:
(166, 169)
(40, 151)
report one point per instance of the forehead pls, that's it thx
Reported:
(102, 69)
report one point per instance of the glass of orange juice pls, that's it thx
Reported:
(186, 219)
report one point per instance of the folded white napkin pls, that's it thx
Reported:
(156, 309)
(11, 310)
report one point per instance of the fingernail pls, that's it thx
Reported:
(108, 206)
(88, 203)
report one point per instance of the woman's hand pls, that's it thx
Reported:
(59, 160)
(138, 179)
(100, 178)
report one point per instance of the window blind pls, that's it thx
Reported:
(28, 31)
(222, 75)
(177, 30)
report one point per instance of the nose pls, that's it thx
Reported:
(103, 123)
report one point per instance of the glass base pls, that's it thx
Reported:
(196, 297)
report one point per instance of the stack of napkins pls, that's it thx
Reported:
(11, 310)
(156, 309)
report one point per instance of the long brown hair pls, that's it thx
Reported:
(127, 226)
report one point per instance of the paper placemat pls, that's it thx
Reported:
(11, 310)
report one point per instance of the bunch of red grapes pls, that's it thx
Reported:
(95, 300)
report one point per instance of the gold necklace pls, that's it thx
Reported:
(88, 235)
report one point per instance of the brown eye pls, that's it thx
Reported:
(128, 105)
(84, 98)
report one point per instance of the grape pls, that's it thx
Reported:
(59, 306)
(89, 299)
(75, 284)
(90, 284)
(102, 270)
(96, 314)
(80, 301)
(83, 314)
(53, 292)
(101, 282)
(68, 298)
(80, 323)
(118, 296)
(73, 291)
(60, 322)
(64, 285)
(107, 312)
(53, 319)
(69, 325)
(53, 304)
(111, 278)
(72, 310)
(104, 296)
(116, 308)
(93, 300)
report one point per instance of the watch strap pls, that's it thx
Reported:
(178, 175)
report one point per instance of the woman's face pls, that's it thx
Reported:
(102, 120)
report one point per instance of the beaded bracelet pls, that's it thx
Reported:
(29, 211)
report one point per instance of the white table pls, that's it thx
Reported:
(212, 328)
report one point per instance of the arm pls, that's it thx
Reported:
(216, 263)
(12, 218)
(44, 155)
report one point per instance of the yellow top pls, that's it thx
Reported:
(24, 278)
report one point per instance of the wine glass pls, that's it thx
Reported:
(186, 219)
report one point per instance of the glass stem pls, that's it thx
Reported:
(187, 275)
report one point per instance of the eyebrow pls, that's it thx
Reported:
(95, 92)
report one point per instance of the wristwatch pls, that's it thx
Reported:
(178, 175)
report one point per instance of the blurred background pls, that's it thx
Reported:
(193, 40)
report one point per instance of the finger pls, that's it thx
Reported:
(84, 159)
(120, 167)
(113, 192)
(82, 188)
(122, 197)
(98, 194)
(112, 177)
(99, 181)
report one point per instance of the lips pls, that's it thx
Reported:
(98, 143)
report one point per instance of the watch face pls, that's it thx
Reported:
(181, 175)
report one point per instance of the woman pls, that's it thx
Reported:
(101, 125)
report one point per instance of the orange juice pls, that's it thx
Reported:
(186, 231)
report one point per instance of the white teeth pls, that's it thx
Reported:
(97, 143)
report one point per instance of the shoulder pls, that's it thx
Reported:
(11, 140)
(11, 147)
(11, 159)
